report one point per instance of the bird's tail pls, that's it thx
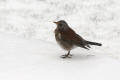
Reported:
(93, 43)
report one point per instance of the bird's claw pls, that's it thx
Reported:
(66, 56)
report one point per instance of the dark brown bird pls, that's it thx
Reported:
(68, 38)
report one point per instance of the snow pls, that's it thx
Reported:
(30, 59)
(28, 50)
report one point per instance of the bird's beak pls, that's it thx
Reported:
(55, 22)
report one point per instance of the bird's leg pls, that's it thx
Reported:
(68, 55)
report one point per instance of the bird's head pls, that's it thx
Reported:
(61, 24)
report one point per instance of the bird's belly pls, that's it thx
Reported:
(63, 44)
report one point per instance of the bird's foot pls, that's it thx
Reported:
(66, 56)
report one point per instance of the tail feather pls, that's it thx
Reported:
(93, 43)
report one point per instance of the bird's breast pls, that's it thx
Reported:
(59, 35)
(64, 44)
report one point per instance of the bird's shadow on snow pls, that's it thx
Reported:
(81, 57)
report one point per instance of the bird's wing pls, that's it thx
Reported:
(71, 37)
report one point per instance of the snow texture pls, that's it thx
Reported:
(28, 50)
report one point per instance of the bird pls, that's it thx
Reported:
(68, 39)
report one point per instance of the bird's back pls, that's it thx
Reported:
(68, 38)
(72, 37)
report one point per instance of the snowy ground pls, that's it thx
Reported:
(22, 59)
(28, 50)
